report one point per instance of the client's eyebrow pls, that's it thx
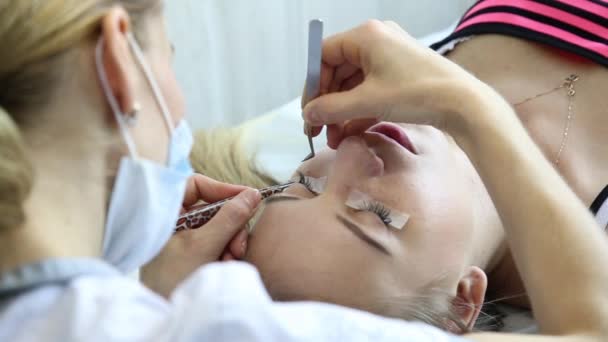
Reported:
(281, 198)
(350, 225)
(355, 229)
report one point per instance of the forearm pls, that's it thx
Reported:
(558, 248)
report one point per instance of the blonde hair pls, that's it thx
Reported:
(219, 154)
(37, 37)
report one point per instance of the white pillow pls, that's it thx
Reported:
(277, 141)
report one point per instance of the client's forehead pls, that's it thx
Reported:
(282, 214)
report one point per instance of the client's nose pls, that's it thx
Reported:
(355, 162)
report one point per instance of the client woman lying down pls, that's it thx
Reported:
(321, 242)
(433, 269)
(336, 239)
(530, 65)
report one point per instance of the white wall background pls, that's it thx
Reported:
(239, 58)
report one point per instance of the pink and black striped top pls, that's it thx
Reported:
(576, 26)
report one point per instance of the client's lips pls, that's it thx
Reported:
(395, 133)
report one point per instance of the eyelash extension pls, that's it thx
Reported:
(380, 210)
(306, 182)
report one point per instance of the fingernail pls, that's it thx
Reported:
(244, 246)
(253, 196)
(314, 118)
(310, 116)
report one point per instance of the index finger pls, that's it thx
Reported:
(342, 48)
(209, 190)
(344, 51)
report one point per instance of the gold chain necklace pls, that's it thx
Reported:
(568, 85)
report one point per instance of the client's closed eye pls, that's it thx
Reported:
(373, 207)
(377, 208)
(307, 183)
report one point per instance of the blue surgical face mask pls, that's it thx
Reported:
(147, 196)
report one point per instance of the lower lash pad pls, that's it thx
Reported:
(317, 184)
(358, 200)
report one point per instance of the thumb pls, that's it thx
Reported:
(231, 219)
(335, 108)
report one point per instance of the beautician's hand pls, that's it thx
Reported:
(377, 72)
(223, 238)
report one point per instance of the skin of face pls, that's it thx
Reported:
(304, 251)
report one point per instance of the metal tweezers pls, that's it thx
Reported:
(313, 75)
(199, 215)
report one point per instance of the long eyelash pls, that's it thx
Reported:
(383, 212)
(306, 182)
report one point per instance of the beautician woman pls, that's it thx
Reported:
(94, 167)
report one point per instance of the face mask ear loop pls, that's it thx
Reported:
(118, 114)
(160, 99)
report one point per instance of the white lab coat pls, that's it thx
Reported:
(88, 300)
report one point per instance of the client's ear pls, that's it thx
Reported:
(470, 296)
